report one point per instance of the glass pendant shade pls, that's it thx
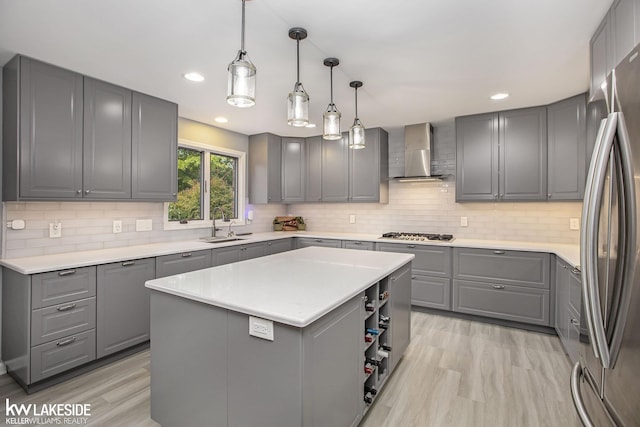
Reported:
(242, 82)
(331, 120)
(356, 135)
(298, 107)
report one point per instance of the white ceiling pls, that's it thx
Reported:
(420, 60)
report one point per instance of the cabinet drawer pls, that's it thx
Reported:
(356, 244)
(58, 287)
(516, 303)
(434, 292)
(429, 260)
(63, 354)
(514, 268)
(305, 242)
(58, 321)
(168, 265)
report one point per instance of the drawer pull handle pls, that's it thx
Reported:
(357, 243)
(411, 246)
(498, 252)
(66, 273)
(187, 255)
(318, 240)
(128, 263)
(498, 287)
(66, 342)
(67, 307)
(575, 322)
(575, 271)
(413, 277)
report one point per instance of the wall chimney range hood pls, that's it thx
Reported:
(418, 148)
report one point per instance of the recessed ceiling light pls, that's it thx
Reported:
(310, 125)
(221, 120)
(498, 96)
(193, 76)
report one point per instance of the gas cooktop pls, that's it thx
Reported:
(419, 236)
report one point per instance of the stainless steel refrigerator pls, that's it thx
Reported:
(605, 383)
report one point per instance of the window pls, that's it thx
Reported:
(210, 182)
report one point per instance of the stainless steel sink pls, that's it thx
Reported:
(220, 239)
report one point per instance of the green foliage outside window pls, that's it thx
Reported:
(223, 182)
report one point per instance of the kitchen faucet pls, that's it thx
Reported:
(213, 231)
(231, 233)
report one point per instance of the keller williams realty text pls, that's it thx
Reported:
(47, 413)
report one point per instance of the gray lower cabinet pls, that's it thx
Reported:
(168, 265)
(510, 285)
(253, 250)
(122, 314)
(230, 254)
(305, 242)
(48, 322)
(280, 245)
(293, 170)
(154, 149)
(358, 244)
(568, 305)
(431, 273)
(567, 142)
(335, 169)
(313, 165)
(265, 168)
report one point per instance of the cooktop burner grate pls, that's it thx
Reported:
(418, 236)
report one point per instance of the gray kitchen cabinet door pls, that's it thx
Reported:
(293, 170)
(400, 291)
(366, 173)
(429, 260)
(50, 138)
(356, 244)
(523, 154)
(169, 265)
(313, 181)
(433, 292)
(222, 256)
(122, 305)
(253, 250)
(265, 168)
(335, 169)
(624, 28)
(567, 140)
(61, 355)
(305, 242)
(107, 141)
(601, 55)
(278, 246)
(154, 156)
(477, 157)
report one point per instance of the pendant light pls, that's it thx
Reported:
(331, 117)
(241, 90)
(356, 132)
(298, 101)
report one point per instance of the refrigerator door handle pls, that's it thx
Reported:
(587, 235)
(630, 230)
(576, 395)
(595, 313)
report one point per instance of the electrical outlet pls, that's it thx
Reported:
(574, 223)
(261, 328)
(463, 221)
(117, 226)
(55, 230)
(352, 219)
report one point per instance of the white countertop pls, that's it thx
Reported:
(294, 288)
(40, 264)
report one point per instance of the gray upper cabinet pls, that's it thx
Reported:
(313, 181)
(335, 169)
(624, 28)
(477, 157)
(42, 132)
(107, 141)
(154, 149)
(601, 58)
(265, 165)
(502, 156)
(567, 142)
(369, 168)
(523, 154)
(293, 170)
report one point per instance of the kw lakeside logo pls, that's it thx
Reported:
(47, 413)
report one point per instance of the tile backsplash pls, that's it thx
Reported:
(422, 207)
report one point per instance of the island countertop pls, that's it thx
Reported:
(295, 288)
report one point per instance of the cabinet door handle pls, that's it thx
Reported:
(128, 263)
(66, 342)
(78, 192)
(411, 246)
(67, 307)
(498, 252)
(187, 255)
(66, 273)
(575, 322)
(413, 277)
(87, 191)
(318, 240)
(549, 195)
(269, 244)
(575, 270)
(498, 286)
(357, 243)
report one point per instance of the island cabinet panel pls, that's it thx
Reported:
(280, 245)
(168, 265)
(188, 367)
(122, 316)
(400, 294)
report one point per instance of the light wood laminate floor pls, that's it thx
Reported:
(455, 373)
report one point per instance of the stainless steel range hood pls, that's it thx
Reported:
(418, 148)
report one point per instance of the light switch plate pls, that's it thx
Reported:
(463, 221)
(55, 230)
(117, 226)
(574, 223)
(261, 328)
(144, 225)
(352, 219)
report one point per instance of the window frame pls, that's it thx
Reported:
(241, 184)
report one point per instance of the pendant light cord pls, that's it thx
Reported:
(356, 103)
(298, 60)
(242, 34)
(332, 85)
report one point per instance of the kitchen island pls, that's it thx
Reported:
(279, 340)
